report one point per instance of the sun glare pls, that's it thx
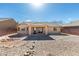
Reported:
(37, 5)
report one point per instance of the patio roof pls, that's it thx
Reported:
(41, 23)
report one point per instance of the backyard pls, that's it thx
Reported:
(59, 45)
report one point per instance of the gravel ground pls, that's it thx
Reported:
(61, 46)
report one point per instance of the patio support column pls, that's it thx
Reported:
(46, 30)
(34, 28)
(30, 30)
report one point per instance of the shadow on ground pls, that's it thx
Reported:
(38, 37)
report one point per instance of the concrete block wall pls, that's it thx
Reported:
(71, 30)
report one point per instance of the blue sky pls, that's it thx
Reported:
(47, 12)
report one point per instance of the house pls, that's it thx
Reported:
(38, 27)
(71, 28)
(7, 25)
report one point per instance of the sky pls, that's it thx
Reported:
(46, 12)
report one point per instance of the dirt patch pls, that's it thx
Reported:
(65, 46)
(11, 43)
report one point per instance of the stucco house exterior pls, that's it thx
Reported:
(38, 27)
(71, 28)
(48, 28)
(7, 25)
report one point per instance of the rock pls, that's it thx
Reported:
(31, 48)
(29, 53)
(8, 46)
(5, 40)
(26, 54)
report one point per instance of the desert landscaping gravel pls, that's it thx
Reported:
(61, 46)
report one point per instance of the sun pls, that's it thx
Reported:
(37, 5)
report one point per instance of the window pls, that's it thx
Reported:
(18, 29)
(55, 29)
(23, 29)
(27, 29)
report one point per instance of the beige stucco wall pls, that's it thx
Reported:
(51, 29)
(7, 24)
(47, 29)
(22, 27)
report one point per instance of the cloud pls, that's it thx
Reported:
(28, 20)
(68, 20)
